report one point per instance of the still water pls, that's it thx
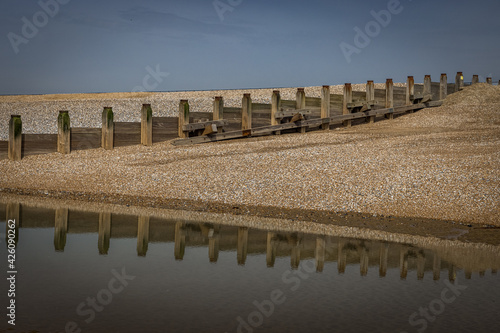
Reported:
(102, 272)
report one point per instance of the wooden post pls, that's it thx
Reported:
(459, 81)
(218, 110)
(384, 253)
(142, 235)
(389, 97)
(242, 246)
(180, 241)
(370, 96)
(13, 210)
(108, 128)
(271, 249)
(436, 267)
(104, 232)
(319, 253)
(275, 107)
(475, 79)
(410, 90)
(183, 118)
(146, 125)
(60, 229)
(63, 133)
(427, 86)
(15, 138)
(246, 112)
(325, 106)
(301, 104)
(489, 80)
(345, 100)
(443, 86)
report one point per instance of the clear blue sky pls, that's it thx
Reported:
(107, 46)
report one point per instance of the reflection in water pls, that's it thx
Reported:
(143, 236)
(104, 232)
(13, 214)
(61, 229)
(180, 240)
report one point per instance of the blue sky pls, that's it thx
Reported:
(107, 46)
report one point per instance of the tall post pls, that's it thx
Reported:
(489, 80)
(218, 111)
(443, 86)
(108, 128)
(15, 138)
(427, 86)
(104, 232)
(347, 99)
(389, 97)
(63, 133)
(246, 112)
(475, 79)
(410, 90)
(146, 125)
(370, 97)
(301, 99)
(242, 245)
(275, 107)
(459, 81)
(183, 118)
(325, 106)
(142, 235)
(60, 229)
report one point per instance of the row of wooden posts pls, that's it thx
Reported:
(295, 116)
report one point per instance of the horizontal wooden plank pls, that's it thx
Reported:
(165, 128)
(202, 125)
(4, 149)
(291, 113)
(85, 138)
(36, 144)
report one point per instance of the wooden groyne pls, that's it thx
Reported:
(251, 119)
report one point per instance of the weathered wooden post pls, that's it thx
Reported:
(389, 97)
(384, 253)
(345, 100)
(410, 90)
(60, 229)
(246, 112)
(146, 125)
(271, 249)
(319, 253)
(15, 138)
(242, 246)
(183, 118)
(489, 80)
(104, 232)
(63, 133)
(443, 86)
(12, 216)
(301, 99)
(459, 81)
(427, 88)
(108, 128)
(142, 235)
(370, 97)
(180, 241)
(325, 106)
(218, 108)
(475, 79)
(436, 267)
(275, 107)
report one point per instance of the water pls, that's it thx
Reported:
(123, 273)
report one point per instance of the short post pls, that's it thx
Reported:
(108, 128)
(301, 99)
(183, 118)
(63, 133)
(275, 107)
(142, 235)
(347, 99)
(325, 106)
(370, 96)
(104, 232)
(427, 86)
(443, 86)
(146, 125)
(246, 112)
(15, 138)
(218, 109)
(489, 80)
(389, 97)
(459, 81)
(60, 229)
(475, 79)
(410, 90)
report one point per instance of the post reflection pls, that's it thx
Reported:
(104, 233)
(60, 229)
(12, 214)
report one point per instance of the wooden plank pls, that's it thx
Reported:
(4, 146)
(127, 134)
(288, 104)
(85, 138)
(165, 128)
(36, 144)
(203, 125)
(291, 113)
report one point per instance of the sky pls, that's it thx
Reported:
(77, 46)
